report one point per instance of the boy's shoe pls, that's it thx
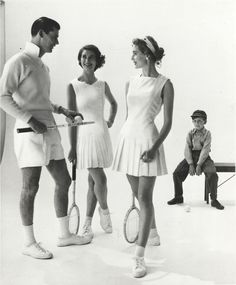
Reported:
(139, 267)
(154, 240)
(215, 203)
(87, 231)
(73, 239)
(105, 221)
(35, 250)
(176, 200)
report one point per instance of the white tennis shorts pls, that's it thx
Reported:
(33, 149)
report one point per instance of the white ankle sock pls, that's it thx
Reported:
(139, 251)
(105, 211)
(64, 227)
(153, 233)
(29, 235)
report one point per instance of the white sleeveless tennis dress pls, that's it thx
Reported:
(139, 132)
(94, 148)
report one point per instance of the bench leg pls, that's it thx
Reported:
(206, 193)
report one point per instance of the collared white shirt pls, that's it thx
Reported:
(32, 49)
(25, 84)
(198, 140)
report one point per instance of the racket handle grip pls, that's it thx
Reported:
(73, 171)
(24, 130)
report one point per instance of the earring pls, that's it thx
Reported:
(158, 63)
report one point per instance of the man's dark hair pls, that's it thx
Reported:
(45, 24)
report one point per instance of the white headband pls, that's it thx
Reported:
(149, 45)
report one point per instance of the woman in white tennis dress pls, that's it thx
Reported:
(140, 152)
(91, 144)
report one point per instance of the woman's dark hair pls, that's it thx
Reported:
(142, 45)
(100, 59)
(45, 24)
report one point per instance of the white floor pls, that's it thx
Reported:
(197, 247)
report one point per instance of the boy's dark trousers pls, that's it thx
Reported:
(208, 168)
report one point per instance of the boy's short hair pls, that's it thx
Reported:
(199, 114)
(45, 24)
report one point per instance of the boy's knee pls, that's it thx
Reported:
(176, 173)
(212, 176)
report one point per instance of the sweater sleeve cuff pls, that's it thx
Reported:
(26, 117)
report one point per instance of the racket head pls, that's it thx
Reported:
(74, 219)
(131, 224)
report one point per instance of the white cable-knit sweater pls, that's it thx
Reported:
(25, 85)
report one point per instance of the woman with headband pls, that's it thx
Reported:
(140, 152)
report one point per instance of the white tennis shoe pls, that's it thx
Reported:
(35, 250)
(87, 231)
(73, 239)
(139, 268)
(105, 221)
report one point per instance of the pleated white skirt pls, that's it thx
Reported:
(94, 148)
(128, 153)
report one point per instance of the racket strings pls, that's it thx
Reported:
(74, 220)
(132, 226)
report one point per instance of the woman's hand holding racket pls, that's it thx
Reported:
(72, 153)
(72, 156)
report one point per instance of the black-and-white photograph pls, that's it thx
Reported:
(117, 154)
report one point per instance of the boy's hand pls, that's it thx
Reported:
(198, 170)
(191, 170)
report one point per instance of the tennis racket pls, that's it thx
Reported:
(131, 223)
(26, 130)
(74, 214)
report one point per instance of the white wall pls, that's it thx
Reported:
(199, 41)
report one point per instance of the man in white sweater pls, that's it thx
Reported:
(25, 95)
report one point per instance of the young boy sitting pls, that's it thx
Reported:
(197, 160)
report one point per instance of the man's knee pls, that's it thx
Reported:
(30, 188)
(30, 178)
(63, 182)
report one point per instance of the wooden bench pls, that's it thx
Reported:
(220, 167)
